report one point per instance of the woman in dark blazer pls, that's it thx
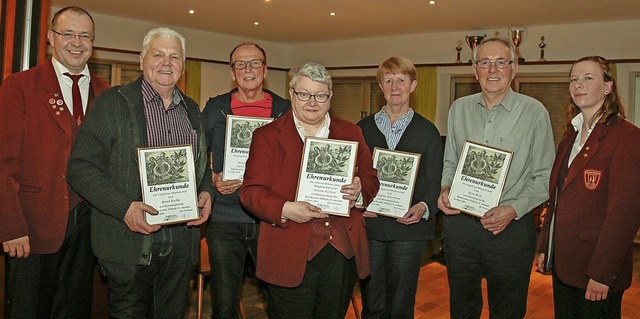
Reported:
(396, 245)
(594, 210)
(308, 259)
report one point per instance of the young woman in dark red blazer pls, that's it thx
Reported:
(594, 210)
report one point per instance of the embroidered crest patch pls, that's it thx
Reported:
(591, 178)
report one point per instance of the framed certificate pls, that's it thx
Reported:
(237, 139)
(327, 165)
(168, 179)
(397, 172)
(479, 179)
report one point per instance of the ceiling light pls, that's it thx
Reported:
(432, 2)
(192, 11)
(332, 14)
(256, 23)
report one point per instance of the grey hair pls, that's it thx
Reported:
(502, 40)
(165, 33)
(313, 71)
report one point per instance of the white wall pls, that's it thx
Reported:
(613, 40)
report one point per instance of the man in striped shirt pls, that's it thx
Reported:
(148, 267)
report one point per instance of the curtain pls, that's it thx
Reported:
(193, 76)
(426, 92)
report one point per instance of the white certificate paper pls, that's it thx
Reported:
(237, 140)
(327, 165)
(397, 172)
(479, 178)
(168, 179)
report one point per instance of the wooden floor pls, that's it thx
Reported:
(432, 299)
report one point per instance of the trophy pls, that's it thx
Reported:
(517, 36)
(542, 45)
(458, 49)
(473, 41)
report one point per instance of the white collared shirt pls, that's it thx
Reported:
(577, 122)
(323, 131)
(66, 83)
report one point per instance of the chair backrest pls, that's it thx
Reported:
(205, 267)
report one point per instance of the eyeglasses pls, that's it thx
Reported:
(241, 65)
(304, 96)
(500, 64)
(84, 37)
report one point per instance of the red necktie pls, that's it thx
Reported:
(78, 113)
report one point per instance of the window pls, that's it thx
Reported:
(116, 73)
(355, 98)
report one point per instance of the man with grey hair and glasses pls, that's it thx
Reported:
(499, 246)
(148, 267)
(232, 232)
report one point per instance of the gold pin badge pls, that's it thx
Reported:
(52, 101)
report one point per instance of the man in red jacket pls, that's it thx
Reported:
(45, 224)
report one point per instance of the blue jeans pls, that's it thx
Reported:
(229, 243)
(390, 292)
(158, 290)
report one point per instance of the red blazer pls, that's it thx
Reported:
(598, 209)
(34, 148)
(270, 180)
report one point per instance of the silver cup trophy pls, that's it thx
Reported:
(517, 36)
(473, 41)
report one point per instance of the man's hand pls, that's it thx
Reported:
(225, 187)
(17, 248)
(134, 218)
(443, 202)
(352, 191)
(596, 291)
(413, 215)
(301, 212)
(204, 209)
(498, 218)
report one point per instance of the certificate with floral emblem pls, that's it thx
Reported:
(327, 165)
(237, 140)
(397, 172)
(479, 179)
(168, 179)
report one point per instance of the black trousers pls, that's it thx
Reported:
(569, 303)
(324, 293)
(55, 285)
(504, 260)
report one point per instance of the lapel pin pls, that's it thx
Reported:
(59, 102)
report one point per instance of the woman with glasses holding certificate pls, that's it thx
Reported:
(309, 259)
(397, 240)
(587, 236)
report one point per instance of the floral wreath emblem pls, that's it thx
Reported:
(165, 169)
(391, 169)
(483, 165)
(242, 133)
(592, 178)
(325, 160)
